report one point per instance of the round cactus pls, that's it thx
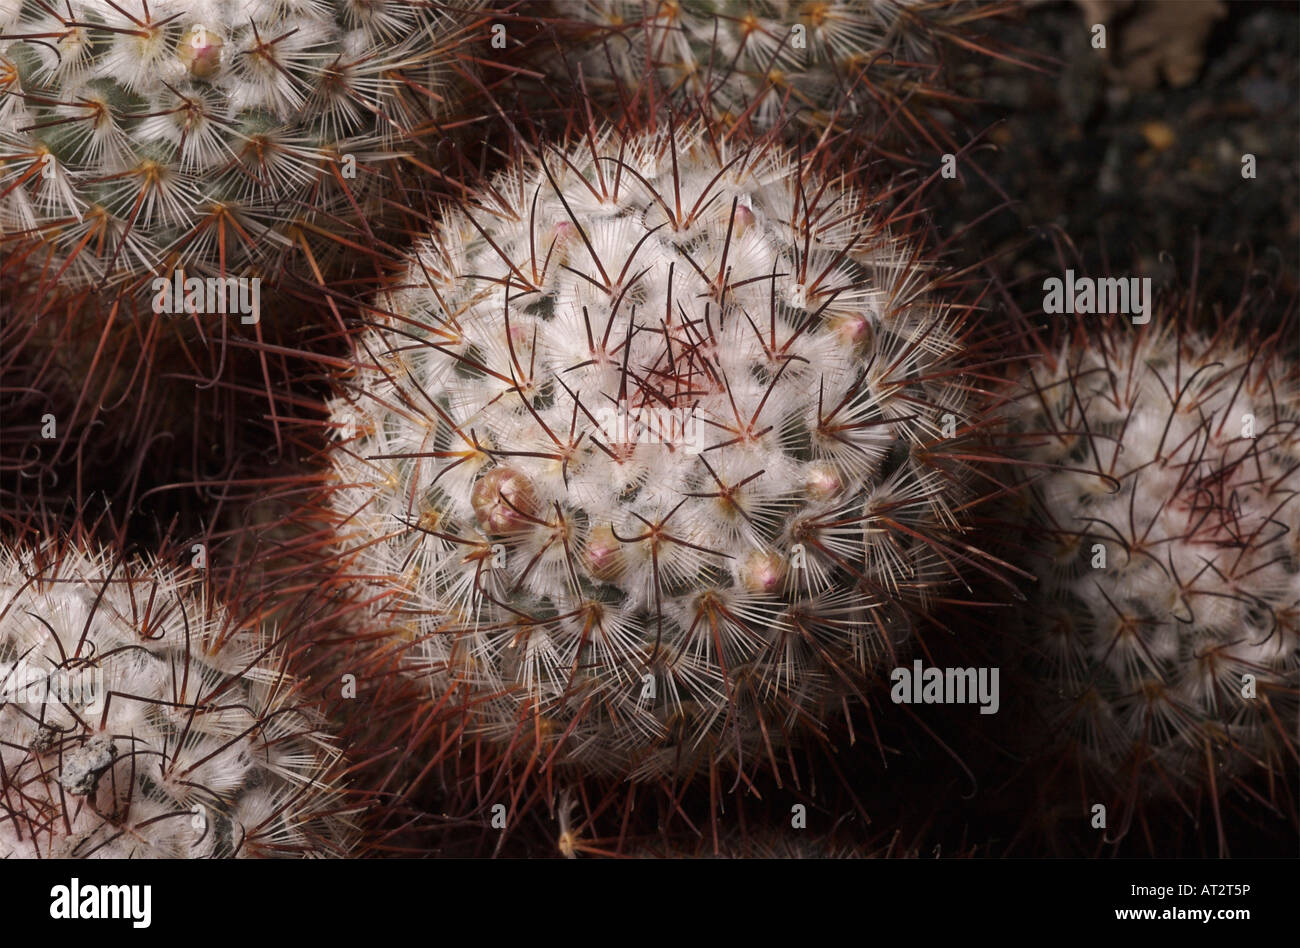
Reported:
(139, 720)
(1166, 509)
(649, 453)
(764, 59)
(136, 137)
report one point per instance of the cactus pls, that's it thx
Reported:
(648, 455)
(765, 59)
(1167, 517)
(139, 719)
(137, 137)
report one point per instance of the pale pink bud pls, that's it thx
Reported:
(503, 501)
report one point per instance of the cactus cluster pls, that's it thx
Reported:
(1166, 631)
(621, 462)
(138, 719)
(648, 455)
(140, 136)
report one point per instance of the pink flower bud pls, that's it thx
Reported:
(503, 501)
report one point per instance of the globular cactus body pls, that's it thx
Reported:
(766, 59)
(139, 720)
(1168, 520)
(649, 454)
(211, 135)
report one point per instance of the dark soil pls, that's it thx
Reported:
(1138, 180)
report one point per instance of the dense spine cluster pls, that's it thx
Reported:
(649, 456)
(1166, 508)
(210, 135)
(138, 719)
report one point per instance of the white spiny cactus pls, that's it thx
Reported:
(137, 720)
(1168, 621)
(649, 457)
(204, 133)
